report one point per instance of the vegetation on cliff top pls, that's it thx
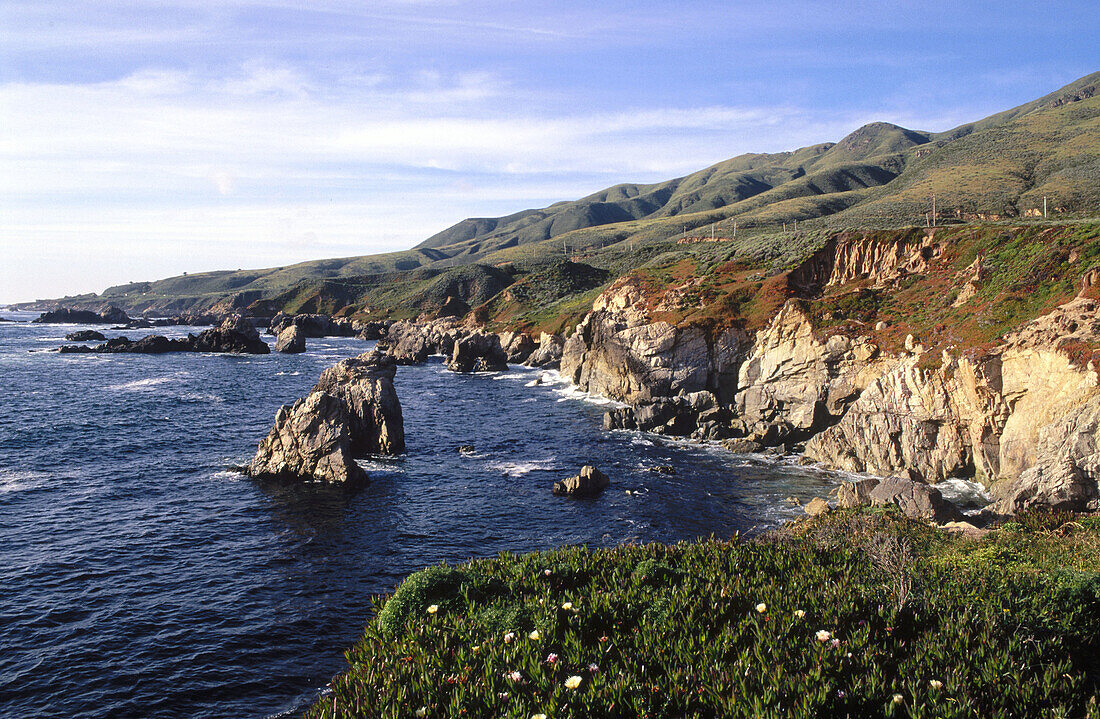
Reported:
(853, 614)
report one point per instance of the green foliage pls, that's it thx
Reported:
(717, 629)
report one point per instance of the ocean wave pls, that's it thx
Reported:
(140, 385)
(519, 469)
(14, 480)
(287, 374)
(200, 397)
(964, 493)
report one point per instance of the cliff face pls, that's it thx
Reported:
(1019, 415)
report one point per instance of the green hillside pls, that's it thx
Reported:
(879, 176)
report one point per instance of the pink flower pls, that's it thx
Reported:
(593, 668)
(835, 643)
(551, 658)
(514, 676)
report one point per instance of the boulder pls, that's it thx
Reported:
(365, 384)
(312, 325)
(478, 352)
(411, 343)
(236, 334)
(374, 330)
(915, 500)
(742, 446)
(517, 346)
(86, 336)
(291, 340)
(856, 493)
(589, 483)
(817, 506)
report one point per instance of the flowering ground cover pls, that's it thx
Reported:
(855, 614)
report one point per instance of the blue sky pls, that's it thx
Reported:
(142, 140)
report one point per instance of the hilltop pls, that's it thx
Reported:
(881, 175)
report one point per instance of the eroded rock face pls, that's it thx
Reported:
(616, 352)
(1066, 473)
(589, 483)
(548, 353)
(353, 411)
(311, 439)
(411, 343)
(291, 340)
(518, 346)
(313, 325)
(478, 352)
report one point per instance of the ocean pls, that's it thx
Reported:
(142, 577)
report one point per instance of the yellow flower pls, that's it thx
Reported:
(897, 699)
(538, 716)
(534, 635)
(935, 684)
(798, 613)
(761, 608)
(476, 647)
(567, 606)
(433, 609)
(573, 682)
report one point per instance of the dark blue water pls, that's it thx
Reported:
(140, 578)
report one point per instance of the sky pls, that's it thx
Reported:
(144, 140)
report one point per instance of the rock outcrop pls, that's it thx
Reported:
(548, 353)
(589, 483)
(353, 411)
(412, 343)
(314, 325)
(478, 352)
(86, 336)
(235, 335)
(291, 340)
(109, 315)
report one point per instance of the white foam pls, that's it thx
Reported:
(200, 397)
(13, 480)
(964, 493)
(287, 374)
(140, 385)
(519, 469)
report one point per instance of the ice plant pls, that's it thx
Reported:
(935, 684)
(534, 635)
(567, 606)
(593, 667)
(798, 613)
(761, 608)
(573, 682)
(551, 658)
(897, 699)
(514, 676)
(509, 637)
(824, 635)
(433, 609)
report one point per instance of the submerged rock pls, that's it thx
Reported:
(291, 340)
(589, 483)
(353, 411)
(86, 336)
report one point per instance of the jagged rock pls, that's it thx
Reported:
(291, 340)
(548, 354)
(589, 483)
(663, 469)
(86, 336)
(915, 500)
(374, 330)
(313, 325)
(517, 346)
(1066, 474)
(311, 439)
(817, 506)
(412, 342)
(466, 449)
(353, 411)
(856, 493)
(478, 352)
(235, 335)
(742, 446)
(109, 315)
(365, 384)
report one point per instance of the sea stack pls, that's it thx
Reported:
(353, 411)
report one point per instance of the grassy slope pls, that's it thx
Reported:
(1008, 623)
(879, 176)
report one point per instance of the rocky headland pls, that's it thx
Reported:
(235, 335)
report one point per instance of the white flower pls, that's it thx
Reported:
(567, 606)
(421, 712)
(897, 699)
(509, 637)
(761, 608)
(935, 684)
(547, 572)
(534, 635)
(514, 676)
(824, 636)
(573, 682)
(798, 613)
(433, 609)
(503, 696)
(538, 716)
